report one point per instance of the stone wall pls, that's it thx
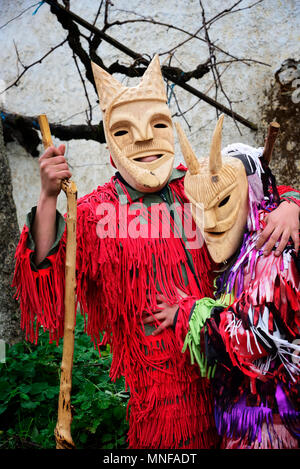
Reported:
(9, 235)
(282, 104)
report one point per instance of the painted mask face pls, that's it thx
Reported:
(219, 187)
(138, 127)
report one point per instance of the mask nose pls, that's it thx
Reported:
(210, 220)
(142, 134)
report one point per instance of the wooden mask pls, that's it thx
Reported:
(221, 186)
(138, 127)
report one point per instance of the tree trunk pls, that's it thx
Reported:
(10, 331)
(282, 104)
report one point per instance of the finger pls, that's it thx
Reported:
(155, 317)
(49, 153)
(54, 160)
(160, 328)
(160, 298)
(63, 175)
(295, 238)
(149, 320)
(51, 171)
(283, 242)
(182, 293)
(52, 151)
(264, 235)
(59, 167)
(272, 241)
(61, 149)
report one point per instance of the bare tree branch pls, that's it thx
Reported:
(230, 10)
(20, 14)
(84, 49)
(143, 19)
(25, 130)
(89, 115)
(27, 67)
(214, 68)
(67, 19)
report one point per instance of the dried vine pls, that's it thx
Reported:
(84, 47)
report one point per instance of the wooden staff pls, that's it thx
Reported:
(270, 141)
(62, 431)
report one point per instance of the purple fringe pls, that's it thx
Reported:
(242, 420)
(289, 416)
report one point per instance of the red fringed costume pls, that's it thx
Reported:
(118, 278)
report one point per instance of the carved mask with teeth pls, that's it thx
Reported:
(138, 127)
(218, 191)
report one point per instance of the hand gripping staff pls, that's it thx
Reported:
(62, 431)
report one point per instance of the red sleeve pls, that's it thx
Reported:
(39, 291)
(289, 194)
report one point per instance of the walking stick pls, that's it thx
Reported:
(273, 130)
(62, 431)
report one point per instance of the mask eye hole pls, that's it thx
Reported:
(224, 201)
(119, 133)
(160, 125)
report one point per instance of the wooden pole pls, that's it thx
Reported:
(62, 431)
(273, 130)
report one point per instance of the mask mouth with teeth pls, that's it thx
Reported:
(218, 191)
(138, 127)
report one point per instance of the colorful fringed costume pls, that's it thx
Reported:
(248, 338)
(118, 278)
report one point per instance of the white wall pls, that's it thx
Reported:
(268, 32)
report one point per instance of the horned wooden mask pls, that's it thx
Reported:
(221, 186)
(138, 127)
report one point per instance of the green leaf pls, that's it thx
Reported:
(95, 425)
(83, 437)
(25, 388)
(38, 388)
(29, 404)
(29, 386)
(51, 392)
(106, 438)
(3, 408)
(86, 405)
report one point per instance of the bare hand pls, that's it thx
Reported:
(53, 168)
(281, 224)
(164, 315)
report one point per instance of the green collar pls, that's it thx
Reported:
(135, 195)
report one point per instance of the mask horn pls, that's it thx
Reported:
(188, 154)
(107, 86)
(215, 157)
